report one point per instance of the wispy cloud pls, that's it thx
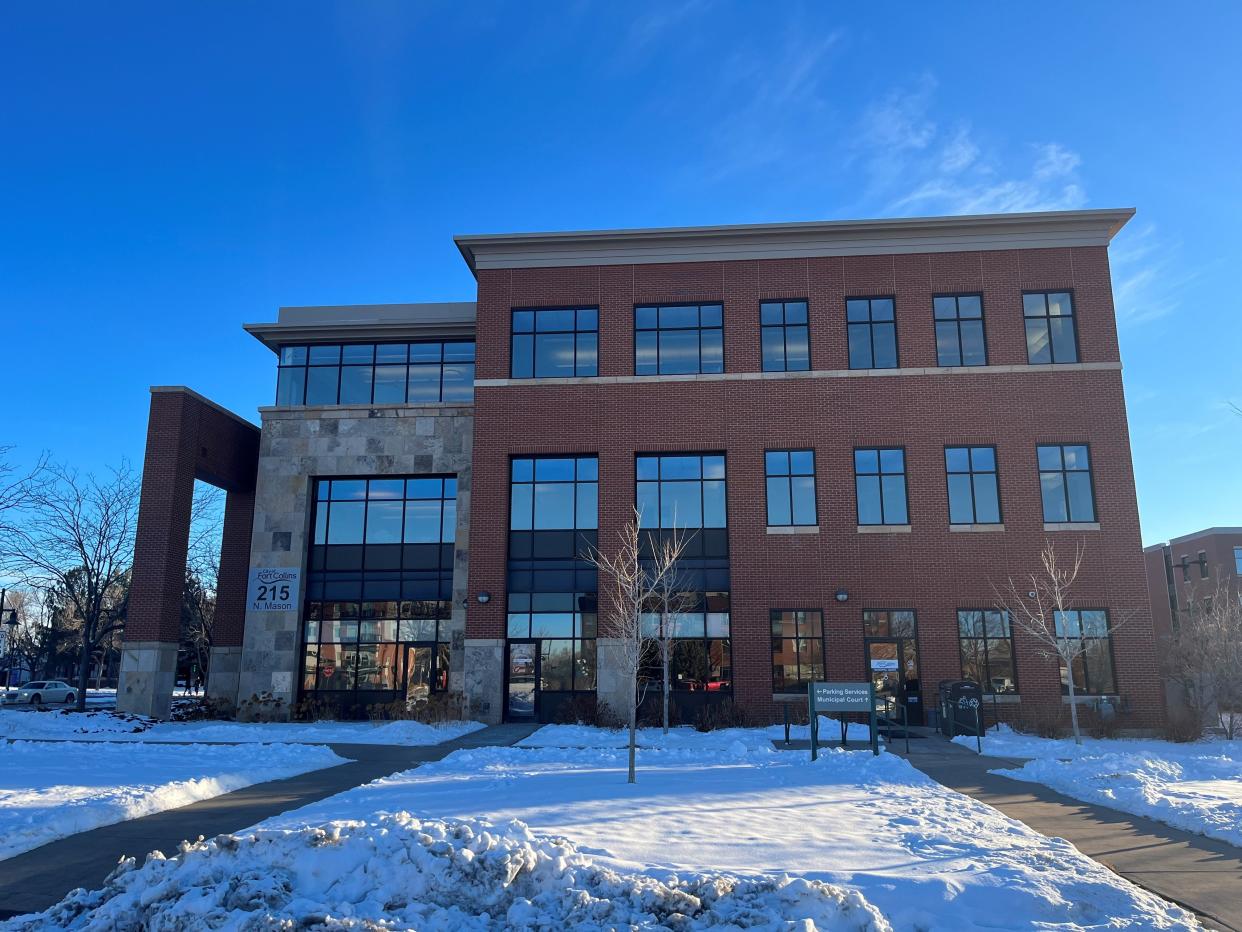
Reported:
(1148, 275)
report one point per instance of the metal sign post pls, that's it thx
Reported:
(841, 697)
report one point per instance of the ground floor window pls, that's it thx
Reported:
(987, 650)
(563, 624)
(1087, 635)
(701, 658)
(797, 649)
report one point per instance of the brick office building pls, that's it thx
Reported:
(1188, 569)
(866, 425)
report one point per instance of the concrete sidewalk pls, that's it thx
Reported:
(1199, 873)
(37, 879)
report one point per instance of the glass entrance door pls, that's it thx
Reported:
(523, 680)
(893, 665)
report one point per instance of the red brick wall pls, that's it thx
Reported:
(931, 569)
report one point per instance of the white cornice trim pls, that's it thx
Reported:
(811, 374)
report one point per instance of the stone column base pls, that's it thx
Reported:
(224, 674)
(148, 675)
(485, 679)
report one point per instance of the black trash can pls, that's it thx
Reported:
(961, 707)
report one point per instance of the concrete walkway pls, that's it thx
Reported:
(37, 879)
(1199, 873)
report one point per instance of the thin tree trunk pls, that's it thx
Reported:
(664, 652)
(84, 671)
(633, 737)
(1069, 666)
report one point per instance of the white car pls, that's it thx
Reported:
(44, 692)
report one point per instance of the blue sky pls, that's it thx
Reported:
(173, 170)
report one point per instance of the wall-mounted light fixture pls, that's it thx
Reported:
(842, 596)
(484, 597)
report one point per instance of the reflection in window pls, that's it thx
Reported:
(987, 650)
(797, 650)
(1086, 634)
(550, 343)
(1065, 483)
(974, 497)
(376, 373)
(790, 477)
(784, 336)
(679, 339)
(872, 333)
(888, 624)
(681, 491)
(959, 330)
(1050, 336)
(880, 485)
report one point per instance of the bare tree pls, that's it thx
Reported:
(1036, 607)
(1205, 654)
(671, 597)
(15, 491)
(629, 589)
(23, 642)
(76, 541)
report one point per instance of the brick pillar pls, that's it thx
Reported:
(230, 621)
(153, 623)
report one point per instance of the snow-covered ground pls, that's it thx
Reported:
(1195, 787)
(109, 726)
(583, 736)
(52, 791)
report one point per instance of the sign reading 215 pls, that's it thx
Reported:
(273, 589)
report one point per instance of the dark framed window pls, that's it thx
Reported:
(379, 585)
(872, 333)
(1050, 330)
(1203, 567)
(987, 650)
(959, 330)
(1089, 638)
(882, 623)
(880, 485)
(1065, 483)
(678, 339)
(376, 373)
(1237, 560)
(790, 477)
(553, 343)
(677, 490)
(974, 496)
(797, 649)
(784, 335)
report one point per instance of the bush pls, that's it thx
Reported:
(1041, 722)
(723, 714)
(432, 710)
(203, 708)
(313, 709)
(262, 707)
(1183, 725)
(651, 713)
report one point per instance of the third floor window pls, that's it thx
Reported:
(1050, 333)
(783, 331)
(678, 339)
(551, 343)
(959, 330)
(973, 494)
(872, 333)
(880, 485)
(370, 373)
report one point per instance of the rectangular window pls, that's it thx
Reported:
(1050, 335)
(1065, 483)
(987, 650)
(797, 650)
(1237, 560)
(1087, 635)
(678, 339)
(784, 336)
(959, 330)
(880, 485)
(554, 343)
(872, 333)
(1203, 569)
(791, 487)
(974, 497)
(681, 491)
(376, 373)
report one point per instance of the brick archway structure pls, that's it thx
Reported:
(188, 438)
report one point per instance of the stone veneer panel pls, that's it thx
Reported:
(300, 444)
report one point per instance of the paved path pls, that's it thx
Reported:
(37, 879)
(1200, 873)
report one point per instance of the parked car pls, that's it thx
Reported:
(43, 692)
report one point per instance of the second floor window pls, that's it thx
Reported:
(872, 333)
(1065, 483)
(552, 343)
(678, 339)
(959, 330)
(1050, 336)
(973, 494)
(376, 373)
(880, 485)
(784, 335)
(790, 476)
(1237, 560)
(681, 491)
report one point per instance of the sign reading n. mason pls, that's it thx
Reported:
(841, 697)
(273, 590)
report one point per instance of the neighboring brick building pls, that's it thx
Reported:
(870, 425)
(1186, 570)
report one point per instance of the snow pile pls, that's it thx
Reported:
(1196, 788)
(1003, 741)
(400, 872)
(53, 791)
(586, 736)
(113, 726)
